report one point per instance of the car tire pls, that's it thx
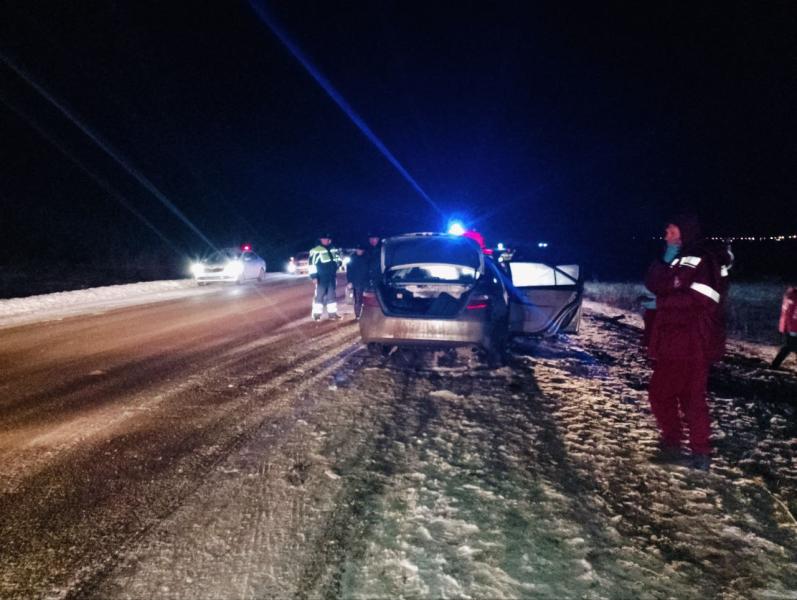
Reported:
(201, 283)
(378, 350)
(261, 276)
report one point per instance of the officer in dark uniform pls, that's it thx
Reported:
(373, 255)
(357, 277)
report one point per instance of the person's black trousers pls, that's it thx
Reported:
(789, 346)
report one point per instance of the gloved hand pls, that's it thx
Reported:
(670, 253)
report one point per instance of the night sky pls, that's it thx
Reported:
(531, 121)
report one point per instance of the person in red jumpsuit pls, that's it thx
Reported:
(687, 334)
(787, 326)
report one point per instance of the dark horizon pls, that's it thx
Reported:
(529, 122)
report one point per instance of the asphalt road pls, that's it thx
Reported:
(109, 420)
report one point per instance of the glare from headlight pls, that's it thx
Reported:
(346, 260)
(236, 267)
(197, 268)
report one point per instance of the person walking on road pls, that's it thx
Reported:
(357, 278)
(787, 326)
(323, 264)
(687, 335)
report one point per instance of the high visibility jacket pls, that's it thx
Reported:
(788, 312)
(690, 304)
(323, 262)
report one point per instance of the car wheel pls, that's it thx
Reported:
(378, 350)
(201, 283)
(261, 276)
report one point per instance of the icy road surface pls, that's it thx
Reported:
(222, 446)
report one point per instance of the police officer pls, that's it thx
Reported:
(373, 255)
(323, 264)
(357, 276)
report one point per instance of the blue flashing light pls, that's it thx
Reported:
(456, 228)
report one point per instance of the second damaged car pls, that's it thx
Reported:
(440, 291)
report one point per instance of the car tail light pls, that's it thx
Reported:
(478, 302)
(369, 299)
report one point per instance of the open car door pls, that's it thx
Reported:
(545, 299)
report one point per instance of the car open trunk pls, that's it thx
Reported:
(423, 300)
(428, 276)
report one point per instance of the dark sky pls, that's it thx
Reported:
(531, 120)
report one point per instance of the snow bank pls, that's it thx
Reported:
(49, 307)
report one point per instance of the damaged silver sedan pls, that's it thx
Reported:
(441, 291)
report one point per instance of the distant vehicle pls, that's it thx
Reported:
(230, 265)
(442, 291)
(299, 264)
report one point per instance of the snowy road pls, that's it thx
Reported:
(222, 446)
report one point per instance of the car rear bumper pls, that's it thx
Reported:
(376, 327)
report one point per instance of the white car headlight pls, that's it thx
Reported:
(235, 267)
(197, 268)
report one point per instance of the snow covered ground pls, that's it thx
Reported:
(58, 305)
(439, 479)
(410, 477)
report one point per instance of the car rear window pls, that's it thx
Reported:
(432, 250)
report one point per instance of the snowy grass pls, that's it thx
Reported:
(753, 308)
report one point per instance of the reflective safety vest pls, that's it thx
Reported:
(690, 304)
(323, 262)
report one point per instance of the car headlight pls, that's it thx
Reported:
(235, 267)
(197, 268)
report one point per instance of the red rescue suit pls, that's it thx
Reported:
(788, 312)
(687, 335)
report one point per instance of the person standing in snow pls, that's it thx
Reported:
(374, 256)
(323, 264)
(687, 335)
(357, 277)
(787, 326)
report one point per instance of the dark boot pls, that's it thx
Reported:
(700, 462)
(668, 455)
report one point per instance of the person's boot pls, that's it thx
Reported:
(700, 462)
(316, 317)
(335, 317)
(668, 455)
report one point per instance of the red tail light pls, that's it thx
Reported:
(478, 302)
(369, 299)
